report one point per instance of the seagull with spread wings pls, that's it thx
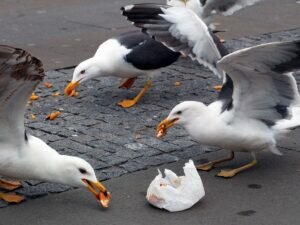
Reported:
(258, 103)
(24, 156)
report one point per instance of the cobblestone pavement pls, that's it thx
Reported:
(118, 141)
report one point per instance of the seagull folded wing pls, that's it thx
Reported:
(175, 193)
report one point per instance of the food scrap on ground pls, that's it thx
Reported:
(48, 85)
(33, 97)
(56, 94)
(177, 84)
(33, 117)
(53, 115)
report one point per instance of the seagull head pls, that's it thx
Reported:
(86, 70)
(182, 114)
(77, 172)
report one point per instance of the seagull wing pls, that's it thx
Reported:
(180, 29)
(225, 7)
(19, 75)
(263, 85)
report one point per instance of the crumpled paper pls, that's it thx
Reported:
(175, 193)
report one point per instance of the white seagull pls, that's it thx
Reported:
(24, 156)
(205, 9)
(258, 103)
(126, 56)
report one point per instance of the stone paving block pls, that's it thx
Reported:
(42, 189)
(156, 160)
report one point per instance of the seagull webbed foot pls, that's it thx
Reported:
(127, 103)
(232, 173)
(210, 165)
(9, 185)
(11, 197)
(205, 167)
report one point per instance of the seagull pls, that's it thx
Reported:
(205, 9)
(127, 56)
(176, 30)
(24, 156)
(259, 101)
(263, 107)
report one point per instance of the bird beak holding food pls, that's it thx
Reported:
(70, 89)
(161, 129)
(99, 191)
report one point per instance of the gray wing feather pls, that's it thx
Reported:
(19, 75)
(264, 88)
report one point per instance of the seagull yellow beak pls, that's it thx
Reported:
(70, 89)
(99, 191)
(161, 129)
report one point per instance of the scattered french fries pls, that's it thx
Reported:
(33, 117)
(53, 115)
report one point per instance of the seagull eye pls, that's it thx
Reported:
(179, 112)
(82, 71)
(82, 171)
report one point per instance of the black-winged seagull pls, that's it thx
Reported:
(24, 156)
(257, 105)
(127, 56)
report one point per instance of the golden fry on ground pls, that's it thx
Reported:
(177, 84)
(33, 97)
(53, 115)
(11, 197)
(56, 94)
(48, 85)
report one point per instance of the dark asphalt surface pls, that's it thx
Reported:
(118, 142)
(55, 30)
(265, 195)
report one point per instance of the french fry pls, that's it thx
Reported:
(48, 85)
(33, 97)
(177, 84)
(104, 199)
(74, 93)
(53, 115)
(56, 94)
(33, 117)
